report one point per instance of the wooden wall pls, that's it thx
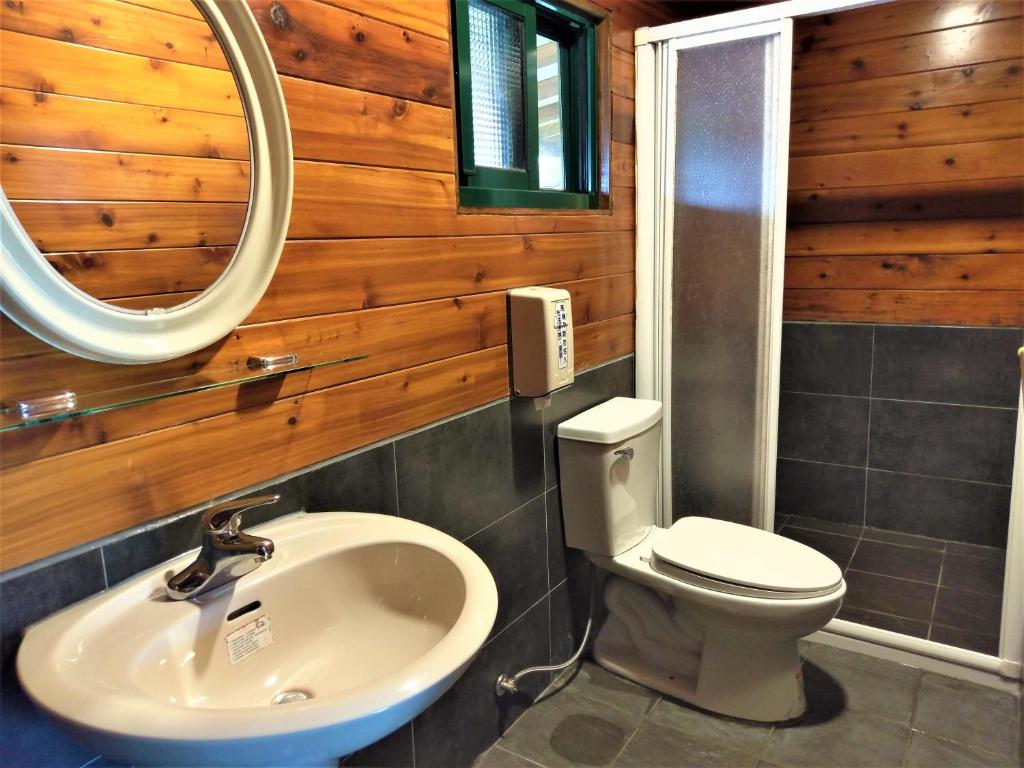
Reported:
(378, 262)
(906, 167)
(106, 103)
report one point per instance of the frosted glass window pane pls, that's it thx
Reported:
(549, 115)
(496, 76)
(724, 187)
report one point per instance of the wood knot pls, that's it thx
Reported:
(429, 91)
(10, 157)
(279, 16)
(359, 36)
(950, 161)
(152, 237)
(67, 35)
(399, 107)
(292, 421)
(857, 64)
(300, 55)
(107, 219)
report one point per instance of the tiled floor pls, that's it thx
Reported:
(941, 590)
(863, 713)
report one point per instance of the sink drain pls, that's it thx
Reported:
(287, 697)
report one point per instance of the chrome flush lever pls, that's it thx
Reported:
(627, 452)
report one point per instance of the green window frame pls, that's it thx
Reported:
(487, 187)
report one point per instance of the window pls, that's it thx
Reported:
(526, 105)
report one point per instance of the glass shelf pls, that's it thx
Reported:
(59, 405)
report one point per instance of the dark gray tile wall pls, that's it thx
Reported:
(905, 428)
(489, 478)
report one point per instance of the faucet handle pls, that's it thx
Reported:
(226, 517)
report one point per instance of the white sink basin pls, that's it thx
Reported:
(371, 619)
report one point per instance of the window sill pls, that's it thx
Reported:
(522, 200)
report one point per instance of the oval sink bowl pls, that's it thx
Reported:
(357, 624)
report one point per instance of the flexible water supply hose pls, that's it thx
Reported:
(510, 683)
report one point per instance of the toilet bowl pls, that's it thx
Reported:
(708, 611)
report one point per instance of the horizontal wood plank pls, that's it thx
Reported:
(51, 66)
(43, 173)
(960, 162)
(320, 42)
(623, 164)
(97, 226)
(895, 20)
(427, 16)
(901, 93)
(951, 272)
(42, 119)
(623, 115)
(622, 73)
(987, 308)
(158, 473)
(982, 198)
(954, 47)
(118, 26)
(926, 127)
(349, 126)
(909, 237)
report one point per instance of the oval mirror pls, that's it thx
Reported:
(146, 171)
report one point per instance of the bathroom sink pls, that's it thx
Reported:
(356, 625)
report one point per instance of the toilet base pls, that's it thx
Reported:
(759, 681)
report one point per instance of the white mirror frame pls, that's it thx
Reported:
(36, 297)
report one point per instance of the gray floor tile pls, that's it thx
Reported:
(968, 714)
(973, 573)
(566, 729)
(899, 561)
(744, 737)
(496, 757)
(598, 683)
(904, 539)
(899, 624)
(839, 549)
(656, 746)
(828, 526)
(973, 611)
(964, 638)
(885, 594)
(976, 550)
(849, 740)
(881, 688)
(928, 752)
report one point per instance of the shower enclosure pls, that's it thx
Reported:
(713, 125)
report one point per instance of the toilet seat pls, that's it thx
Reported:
(741, 560)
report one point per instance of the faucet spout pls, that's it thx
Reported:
(227, 553)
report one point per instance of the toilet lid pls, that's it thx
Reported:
(750, 557)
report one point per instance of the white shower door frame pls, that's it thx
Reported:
(655, 142)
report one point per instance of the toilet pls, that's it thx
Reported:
(707, 611)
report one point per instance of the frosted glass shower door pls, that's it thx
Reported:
(726, 152)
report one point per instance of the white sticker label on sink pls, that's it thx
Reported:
(248, 639)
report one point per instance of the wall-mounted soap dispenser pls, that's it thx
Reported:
(540, 340)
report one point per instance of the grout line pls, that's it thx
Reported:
(935, 598)
(394, 463)
(898, 399)
(513, 752)
(103, 567)
(515, 621)
(898, 472)
(511, 512)
(867, 447)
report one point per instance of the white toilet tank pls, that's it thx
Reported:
(609, 457)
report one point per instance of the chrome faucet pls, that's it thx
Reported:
(227, 553)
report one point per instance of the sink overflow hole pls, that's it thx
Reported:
(287, 697)
(244, 610)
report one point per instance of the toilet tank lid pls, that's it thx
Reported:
(612, 421)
